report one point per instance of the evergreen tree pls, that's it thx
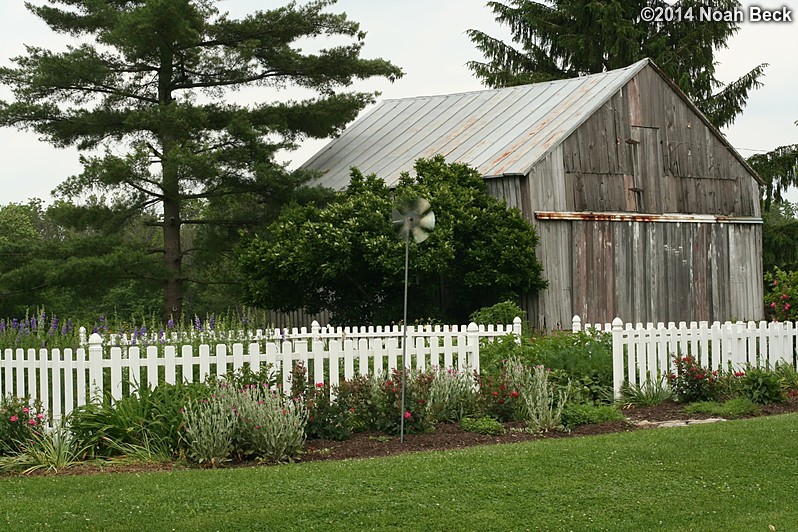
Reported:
(566, 38)
(149, 96)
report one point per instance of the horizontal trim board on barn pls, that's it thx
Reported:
(627, 217)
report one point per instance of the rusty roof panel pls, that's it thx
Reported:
(500, 131)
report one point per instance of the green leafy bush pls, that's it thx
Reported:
(541, 401)
(21, 422)
(500, 314)
(576, 414)
(360, 396)
(483, 425)
(781, 297)
(691, 382)
(761, 386)
(499, 398)
(417, 418)
(327, 419)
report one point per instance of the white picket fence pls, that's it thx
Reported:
(645, 352)
(65, 379)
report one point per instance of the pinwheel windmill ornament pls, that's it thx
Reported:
(415, 220)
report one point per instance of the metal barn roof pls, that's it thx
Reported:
(498, 132)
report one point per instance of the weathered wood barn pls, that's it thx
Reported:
(643, 209)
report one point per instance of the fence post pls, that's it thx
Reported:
(517, 329)
(472, 334)
(617, 356)
(96, 367)
(315, 331)
(576, 324)
(82, 335)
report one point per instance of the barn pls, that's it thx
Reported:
(644, 210)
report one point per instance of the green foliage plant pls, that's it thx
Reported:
(328, 419)
(271, 427)
(730, 409)
(541, 402)
(129, 89)
(650, 393)
(482, 425)
(781, 295)
(502, 313)
(361, 397)
(51, 451)
(452, 395)
(691, 382)
(481, 251)
(209, 427)
(21, 421)
(499, 397)
(762, 386)
(417, 417)
(576, 414)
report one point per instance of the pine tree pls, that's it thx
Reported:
(567, 38)
(151, 98)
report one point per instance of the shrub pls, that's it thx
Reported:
(327, 419)
(483, 425)
(209, 425)
(782, 291)
(500, 314)
(360, 396)
(574, 415)
(691, 382)
(270, 428)
(499, 398)
(761, 386)
(20, 423)
(417, 418)
(452, 395)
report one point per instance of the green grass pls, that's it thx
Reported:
(737, 475)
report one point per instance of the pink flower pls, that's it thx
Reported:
(32, 422)
(26, 409)
(407, 415)
(14, 419)
(786, 306)
(39, 416)
(773, 305)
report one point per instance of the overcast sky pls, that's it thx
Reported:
(426, 38)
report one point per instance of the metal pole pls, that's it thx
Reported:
(404, 344)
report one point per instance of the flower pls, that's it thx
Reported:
(32, 422)
(513, 394)
(26, 409)
(40, 416)
(319, 385)
(407, 415)
(773, 305)
(13, 419)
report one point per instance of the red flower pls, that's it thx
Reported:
(408, 415)
(513, 394)
(319, 385)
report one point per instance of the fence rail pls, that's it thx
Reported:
(645, 352)
(66, 379)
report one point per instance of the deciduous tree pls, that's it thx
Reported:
(347, 257)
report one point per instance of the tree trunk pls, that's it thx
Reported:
(170, 186)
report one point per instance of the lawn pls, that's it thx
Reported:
(738, 475)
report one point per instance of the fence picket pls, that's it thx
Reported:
(65, 380)
(640, 352)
